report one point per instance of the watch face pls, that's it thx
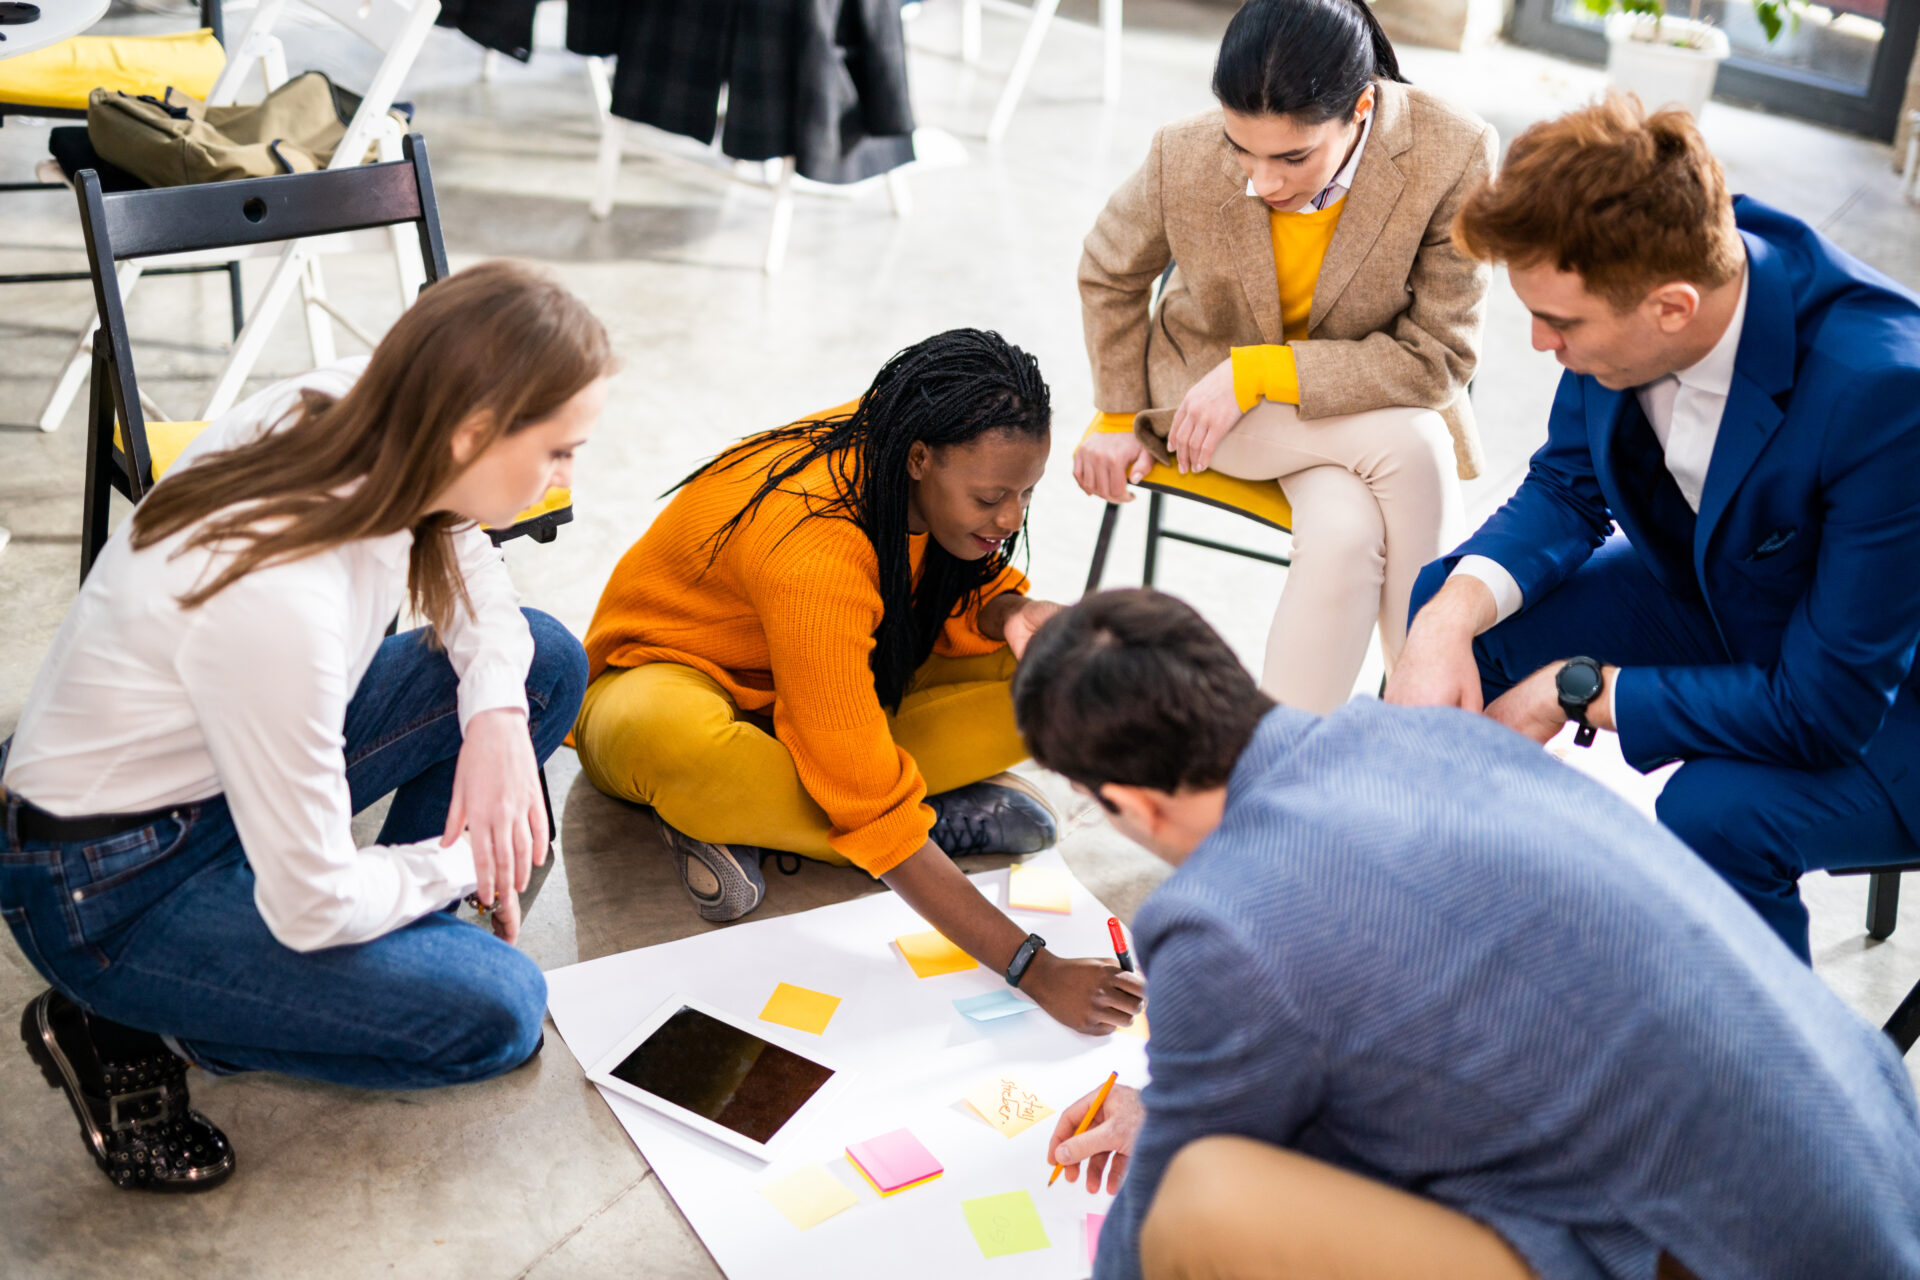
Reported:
(1578, 682)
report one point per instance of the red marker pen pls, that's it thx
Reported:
(1120, 952)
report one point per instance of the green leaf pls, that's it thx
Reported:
(1768, 11)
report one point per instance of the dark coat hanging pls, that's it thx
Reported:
(823, 81)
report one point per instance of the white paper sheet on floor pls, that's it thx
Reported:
(910, 1055)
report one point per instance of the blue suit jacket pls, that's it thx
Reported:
(1807, 547)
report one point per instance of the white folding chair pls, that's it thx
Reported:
(398, 28)
(1039, 16)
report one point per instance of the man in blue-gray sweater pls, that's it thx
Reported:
(1427, 1003)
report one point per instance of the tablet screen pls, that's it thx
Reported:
(722, 1072)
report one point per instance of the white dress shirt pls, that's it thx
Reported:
(1336, 190)
(142, 704)
(1684, 409)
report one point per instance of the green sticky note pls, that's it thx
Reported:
(1005, 1224)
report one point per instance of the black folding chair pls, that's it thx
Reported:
(127, 453)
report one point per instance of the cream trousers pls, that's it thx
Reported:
(1375, 497)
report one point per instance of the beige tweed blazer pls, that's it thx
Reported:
(1397, 312)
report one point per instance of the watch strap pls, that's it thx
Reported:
(1023, 959)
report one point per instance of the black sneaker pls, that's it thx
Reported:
(130, 1093)
(723, 880)
(1003, 814)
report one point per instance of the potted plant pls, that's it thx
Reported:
(1670, 60)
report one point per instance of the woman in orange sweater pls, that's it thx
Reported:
(810, 652)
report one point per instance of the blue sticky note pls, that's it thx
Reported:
(994, 1004)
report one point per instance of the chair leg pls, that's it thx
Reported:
(1110, 33)
(235, 302)
(1904, 1026)
(1098, 569)
(782, 225)
(1043, 11)
(1883, 903)
(99, 492)
(606, 169)
(1154, 500)
(538, 876)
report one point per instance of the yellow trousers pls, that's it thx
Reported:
(669, 736)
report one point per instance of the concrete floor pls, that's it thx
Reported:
(529, 1176)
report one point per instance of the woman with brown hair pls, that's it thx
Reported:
(178, 858)
(1316, 325)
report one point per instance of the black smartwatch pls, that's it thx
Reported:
(1578, 683)
(1017, 967)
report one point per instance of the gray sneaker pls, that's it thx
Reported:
(723, 880)
(1003, 814)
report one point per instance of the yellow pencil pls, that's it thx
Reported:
(1099, 1100)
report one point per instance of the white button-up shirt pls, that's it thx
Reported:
(1684, 409)
(142, 704)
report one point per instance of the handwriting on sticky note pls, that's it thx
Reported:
(1040, 889)
(931, 954)
(799, 1008)
(807, 1197)
(1005, 1224)
(1007, 1104)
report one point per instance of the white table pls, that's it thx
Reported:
(59, 20)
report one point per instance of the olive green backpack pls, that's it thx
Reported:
(179, 140)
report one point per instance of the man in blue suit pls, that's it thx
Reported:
(1742, 400)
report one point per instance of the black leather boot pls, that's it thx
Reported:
(1003, 814)
(130, 1094)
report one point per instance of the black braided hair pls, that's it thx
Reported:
(950, 389)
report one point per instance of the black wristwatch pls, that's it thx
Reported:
(1578, 683)
(1023, 958)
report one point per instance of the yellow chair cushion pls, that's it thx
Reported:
(556, 500)
(62, 75)
(165, 442)
(1259, 500)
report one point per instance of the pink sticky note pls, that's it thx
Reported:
(894, 1161)
(1093, 1234)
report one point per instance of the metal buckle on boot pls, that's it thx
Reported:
(158, 1093)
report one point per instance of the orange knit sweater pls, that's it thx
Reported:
(784, 621)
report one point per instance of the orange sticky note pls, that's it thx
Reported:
(931, 954)
(799, 1008)
(1137, 1028)
(1040, 889)
(1007, 1105)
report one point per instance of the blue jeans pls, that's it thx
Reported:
(156, 927)
(1760, 825)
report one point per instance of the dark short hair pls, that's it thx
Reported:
(1308, 59)
(1133, 687)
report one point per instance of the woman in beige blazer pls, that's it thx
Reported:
(1318, 327)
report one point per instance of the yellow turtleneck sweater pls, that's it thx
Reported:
(1267, 372)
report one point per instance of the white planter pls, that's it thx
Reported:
(1675, 69)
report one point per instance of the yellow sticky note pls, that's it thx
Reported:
(1007, 1105)
(931, 954)
(1137, 1028)
(807, 1197)
(1040, 889)
(799, 1008)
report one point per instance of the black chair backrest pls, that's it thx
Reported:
(230, 215)
(214, 20)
